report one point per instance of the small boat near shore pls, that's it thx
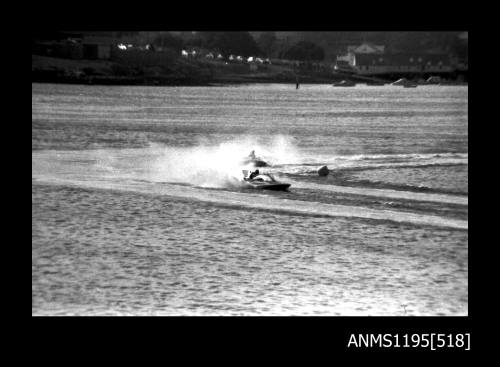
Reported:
(345, 83)
(405, 83)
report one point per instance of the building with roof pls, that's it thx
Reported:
(366, 48)
(371, 64)
(370, 59)
(345, 62)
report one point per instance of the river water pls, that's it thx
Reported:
(138, 206)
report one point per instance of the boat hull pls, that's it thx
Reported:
(278, 186)
(259, 163)
(256, 162)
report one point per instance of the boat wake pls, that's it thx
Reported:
(193, 173)
(308, 165)
(386, 193)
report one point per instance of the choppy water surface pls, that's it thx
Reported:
(138, 206)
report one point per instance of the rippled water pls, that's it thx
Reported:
(138, 206)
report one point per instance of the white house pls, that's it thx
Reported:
(364, 48)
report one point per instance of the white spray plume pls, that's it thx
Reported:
(220, 165)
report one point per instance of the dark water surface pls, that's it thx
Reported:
(138, 206)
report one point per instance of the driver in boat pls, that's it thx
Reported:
(253, 174)
(252, 155)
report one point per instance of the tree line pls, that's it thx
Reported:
(243, 44)
(302, 46)
(311, 46)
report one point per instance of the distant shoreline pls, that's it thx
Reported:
(100, 72)
(174, 80)
(212, 83)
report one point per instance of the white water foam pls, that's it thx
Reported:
(214, 166)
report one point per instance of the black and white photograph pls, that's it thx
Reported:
(249, 173)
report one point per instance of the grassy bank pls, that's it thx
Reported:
(178, 72)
